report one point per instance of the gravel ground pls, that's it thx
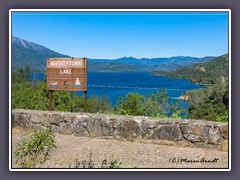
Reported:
(131, 154)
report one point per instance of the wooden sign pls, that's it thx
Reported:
(67, 74)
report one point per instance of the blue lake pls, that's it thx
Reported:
(118, 84)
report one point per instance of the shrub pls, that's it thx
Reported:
(34, 148)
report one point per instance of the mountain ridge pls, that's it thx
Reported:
(203, 73)
(29, 53)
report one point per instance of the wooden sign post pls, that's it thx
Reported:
(68, 74)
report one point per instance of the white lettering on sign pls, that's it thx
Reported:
(65, 71)
(66, 63)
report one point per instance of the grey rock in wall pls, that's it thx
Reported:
(169, 132)
(46, 119)
(195, 132)
(224, 130)
(36, 118)
(129, 129)
(214, 136)
(65, 128)
(56, 118)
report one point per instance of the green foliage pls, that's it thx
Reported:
(62, 101)
(34, 148)
(130, 106)
(22, 75)
(101, 105)
(154, 105)
(210, 103)
(38, 98)
(223, 117)
(77, 102)
(21, 78)
(21, 99)
(177, 114)
(34, 95)
(203, 73)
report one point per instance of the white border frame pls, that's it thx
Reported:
(116, 10)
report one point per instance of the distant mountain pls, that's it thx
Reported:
(203, 73)
(144, 64)
(111, 66)
(28, 53)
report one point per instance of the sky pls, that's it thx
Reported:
(111, 35)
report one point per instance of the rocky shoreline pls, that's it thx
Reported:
(184, 97)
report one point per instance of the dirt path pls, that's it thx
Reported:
(131, 154)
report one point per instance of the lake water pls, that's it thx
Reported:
(118, 84)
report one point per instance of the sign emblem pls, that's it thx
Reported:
(54, 84)
(65, 84)
(77, 83)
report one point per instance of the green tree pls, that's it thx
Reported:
(40, 99)
(210, 103)
(154, 105)
(21, 99)
(62, 101)
(133, 105)
(101, 104)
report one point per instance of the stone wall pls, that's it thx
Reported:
(179, 132)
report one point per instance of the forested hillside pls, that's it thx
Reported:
(211, 103)
(203, 73)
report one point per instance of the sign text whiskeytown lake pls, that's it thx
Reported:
(115, 84)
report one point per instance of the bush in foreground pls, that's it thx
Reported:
(34, 148)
